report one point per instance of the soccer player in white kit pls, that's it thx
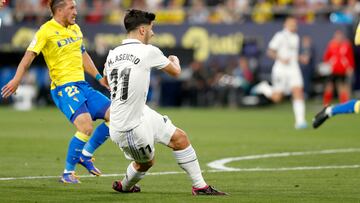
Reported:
(286, 74)
(135, 127)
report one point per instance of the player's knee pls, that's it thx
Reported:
(143, 167)
(276, 99)
(179, 140)
(87, 129)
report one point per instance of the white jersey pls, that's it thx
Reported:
(286, 76)
(127, 69)
(286, 45)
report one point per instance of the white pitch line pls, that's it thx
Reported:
(89, 176)
(219, 165)
(299, 168)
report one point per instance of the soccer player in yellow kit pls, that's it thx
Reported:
(350, 107)
(61, 42)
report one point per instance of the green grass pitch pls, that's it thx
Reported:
(33, 144)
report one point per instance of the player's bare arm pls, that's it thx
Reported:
(12, 85)
(91, 69)
(174, 68)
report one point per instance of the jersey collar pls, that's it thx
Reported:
(131, 41)
(286, 31)
(54, 22)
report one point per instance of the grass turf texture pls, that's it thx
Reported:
(34, 144)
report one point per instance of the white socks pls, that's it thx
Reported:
(328, 111)
(299, 111)
(187, 160)
(131, 178)
(86, 153)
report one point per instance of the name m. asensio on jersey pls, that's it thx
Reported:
(121, 57)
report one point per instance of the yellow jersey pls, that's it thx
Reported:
(62, 48)
(357, 35)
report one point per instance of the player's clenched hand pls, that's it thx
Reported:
(104, 83)
(174, 59)
(9, 88)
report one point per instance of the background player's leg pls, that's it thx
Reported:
(352, 106)
(299, 107)
(263, 88)
(328, 93)
(343, 91)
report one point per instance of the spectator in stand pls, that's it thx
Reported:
(2, 2)
(317, 4)
(5, 14)
(198, 13)
(195, 89)
(116, 12)
(303, 12)
(228, 12)
(340, 15)
(339, 54)
(243, 78)
(139, 4)
(353, 9)
(262, 12)
(173, 14)
(20, 11)
(284, 3)
(319, 8)
(96, 14)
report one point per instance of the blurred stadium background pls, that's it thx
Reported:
(222, 45)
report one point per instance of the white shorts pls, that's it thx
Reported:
(138, 143)
(285, 78)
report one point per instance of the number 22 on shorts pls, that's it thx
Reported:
(71, 91)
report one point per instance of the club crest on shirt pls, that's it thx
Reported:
(33, 43)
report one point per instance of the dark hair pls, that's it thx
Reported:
(134, 18)
(54, 4)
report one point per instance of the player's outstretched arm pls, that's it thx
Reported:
(174, 68)
(91, 69)
(13, 84)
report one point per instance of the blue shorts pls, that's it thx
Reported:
(75, 98)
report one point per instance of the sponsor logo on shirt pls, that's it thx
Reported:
(64, 42)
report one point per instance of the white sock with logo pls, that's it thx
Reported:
(187, 160)
(132, 177)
